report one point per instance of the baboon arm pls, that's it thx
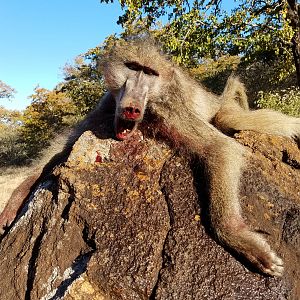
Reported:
(224, 159)
(224, 170)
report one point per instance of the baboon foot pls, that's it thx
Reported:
(267, 261)
(257, 250)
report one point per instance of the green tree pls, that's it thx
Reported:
(255, 30)
(293, 15)
(11, 151)
(83, 82)
(25, 135)
(48, 113)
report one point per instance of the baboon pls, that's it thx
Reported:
(142, 81)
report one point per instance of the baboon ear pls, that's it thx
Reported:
(110, 80)
(114, 76)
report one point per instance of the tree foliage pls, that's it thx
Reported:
(11, 151)
(49, 113)
(257, 39)
(24, 135)
(193, 31)
(83, 83)
(286, 101)
(6, 91)
(9, 118)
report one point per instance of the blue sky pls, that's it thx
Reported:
(38, 37)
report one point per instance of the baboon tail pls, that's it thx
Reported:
(235, 93)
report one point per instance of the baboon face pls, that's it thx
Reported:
(141, 83)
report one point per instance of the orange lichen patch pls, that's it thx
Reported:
(133, 195)
(197, 218)
(149, 196)
(141, 236)
(92, 206)
(82, 288)
(142, 176)
(96, 192)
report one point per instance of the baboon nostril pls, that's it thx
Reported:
(132, 112)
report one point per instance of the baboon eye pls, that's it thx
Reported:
(150, 71)
(137, 67)
(134, 66)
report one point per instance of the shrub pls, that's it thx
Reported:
(286, 101)
(12, 151)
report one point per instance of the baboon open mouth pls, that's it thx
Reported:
(124, 128)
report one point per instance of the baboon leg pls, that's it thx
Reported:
(234, 115)
(234, 94)
(224, 167)
(230, 119)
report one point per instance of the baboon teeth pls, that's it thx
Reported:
(124, 128)
(126, 131)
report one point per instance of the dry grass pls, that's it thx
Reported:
(11, 178)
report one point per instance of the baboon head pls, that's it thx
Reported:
(133, 74)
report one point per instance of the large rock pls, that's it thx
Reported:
(128, 220)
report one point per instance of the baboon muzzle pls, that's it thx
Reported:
(124, 128)
(130, 111)
(126, 121)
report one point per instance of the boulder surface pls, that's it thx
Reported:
(129, 220)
